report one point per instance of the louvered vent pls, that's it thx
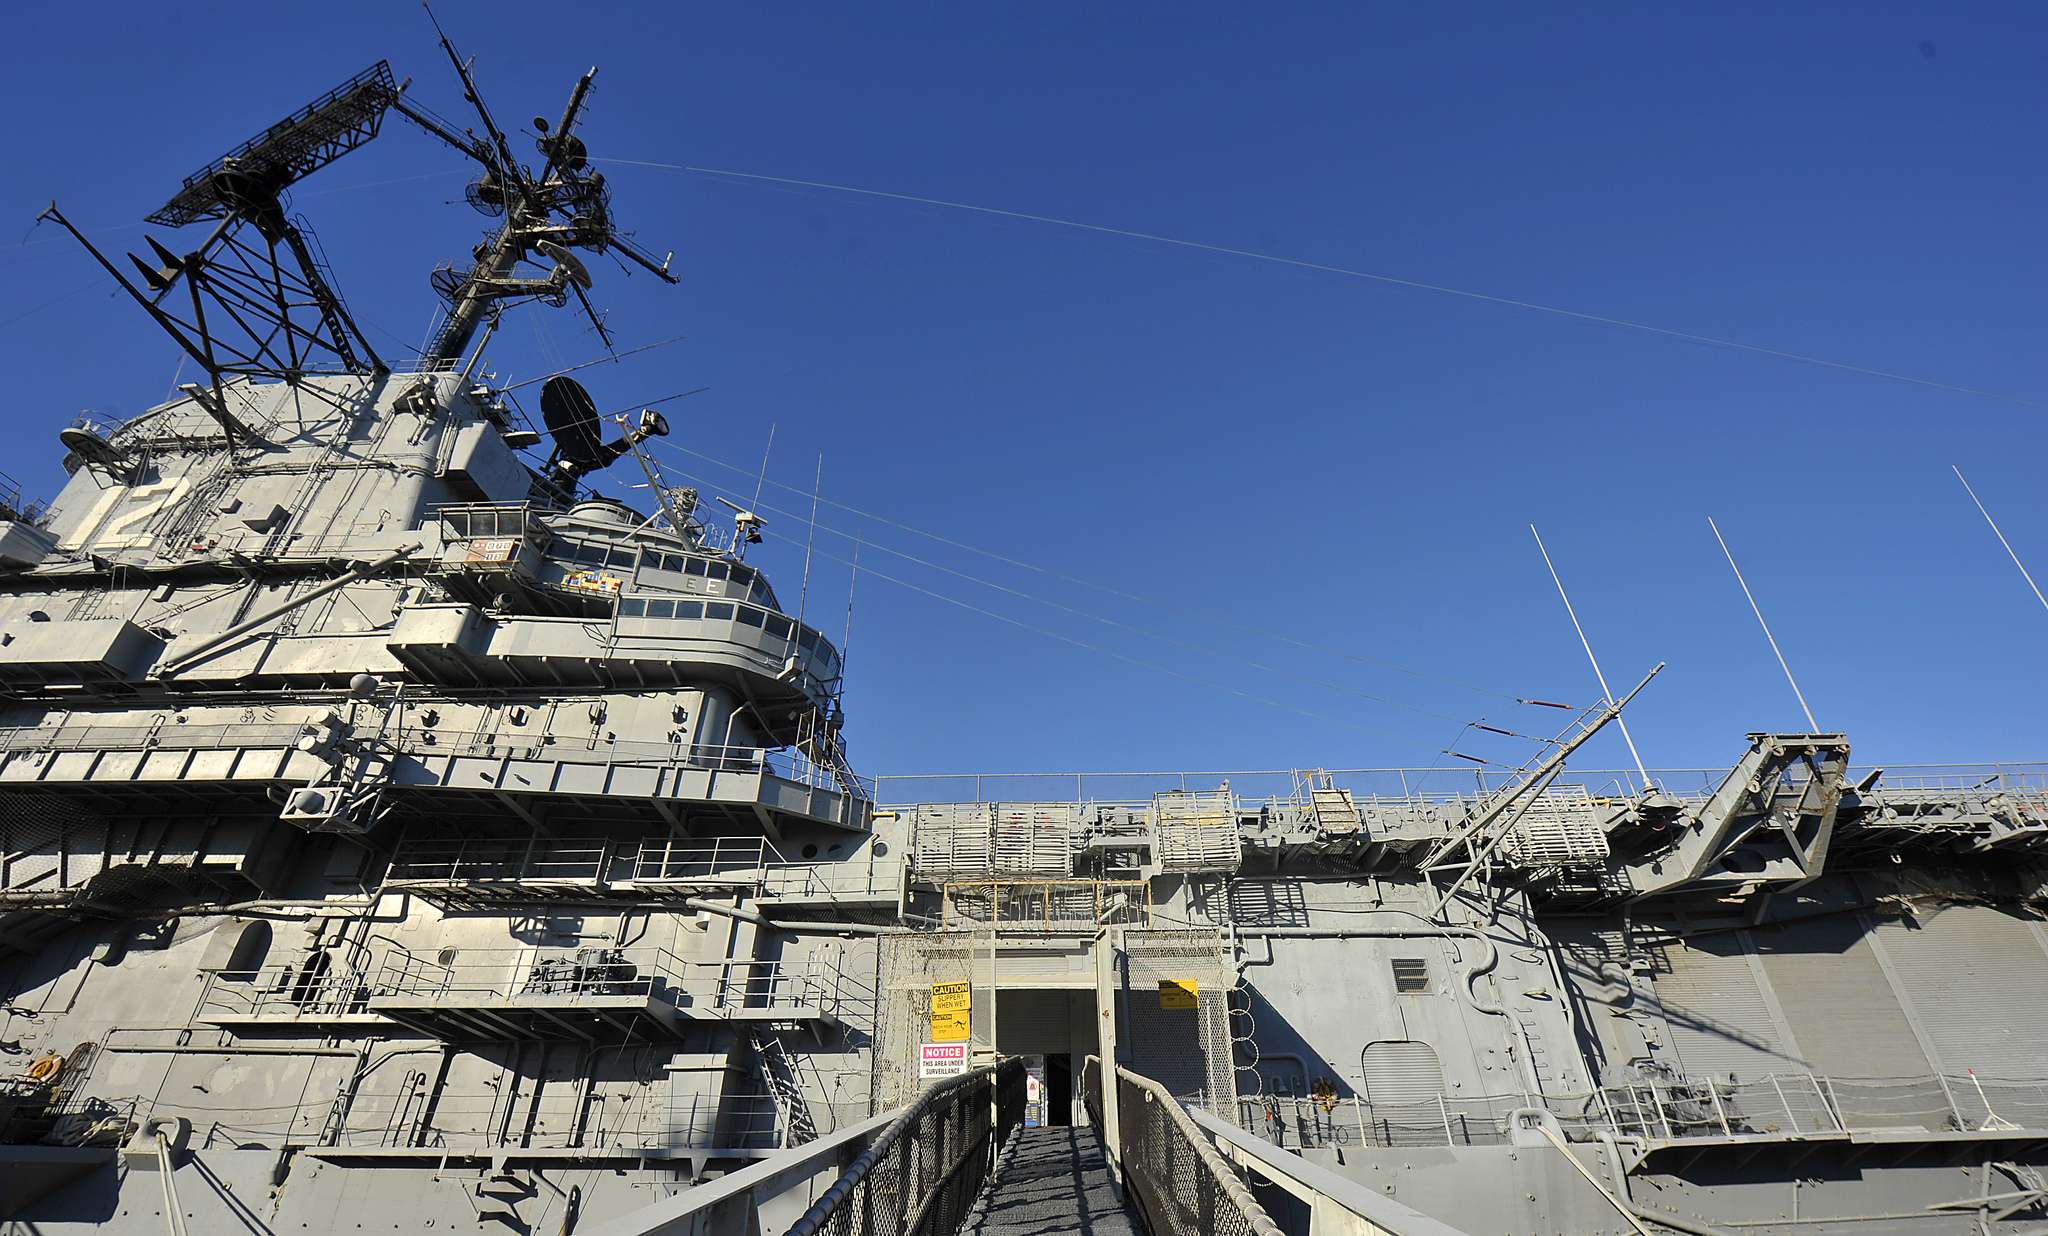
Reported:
(1398, 1073)
(1411, 974)
(956, 841)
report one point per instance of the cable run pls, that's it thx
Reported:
(1112, 653)
(1111, 590)
(1647, 328)
(1142, 632)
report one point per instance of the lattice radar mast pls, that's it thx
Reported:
(254, 298)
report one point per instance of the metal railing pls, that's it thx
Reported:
(859, 879)
(507, 974)
(640, 1119)
(282, 992)
(1670, 1110)
(1170, 1168)
(1368, 785)
(923, 1172)
(14, 506)
(1047, 905)
(531, 859)
(527, 859)
(421, 741)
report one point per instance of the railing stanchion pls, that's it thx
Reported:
(1784, 1103)
(1826, 1086)
(1949, 1097)
(1714, 1093)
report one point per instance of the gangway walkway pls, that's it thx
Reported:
(957, 1161)
(1051, 1181)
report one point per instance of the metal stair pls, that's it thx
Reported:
(792, 1109)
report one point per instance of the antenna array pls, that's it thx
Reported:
(255, 299)
(565, 205)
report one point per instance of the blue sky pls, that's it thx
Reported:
(1234, 450)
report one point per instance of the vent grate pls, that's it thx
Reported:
(1411, 974)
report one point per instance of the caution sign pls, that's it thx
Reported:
(1179, 994)
(941, 1060)
(950, 1012)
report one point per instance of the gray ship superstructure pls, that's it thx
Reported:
(398, 833)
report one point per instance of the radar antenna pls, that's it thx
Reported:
(565, 205)
(256, 300)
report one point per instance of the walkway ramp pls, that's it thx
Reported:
(958, 1161)
(1051, 1181)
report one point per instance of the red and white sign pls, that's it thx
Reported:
(941, 1060)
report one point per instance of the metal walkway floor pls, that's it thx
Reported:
(1053, 1182)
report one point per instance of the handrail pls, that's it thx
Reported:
(1007, 1113)
(1253, 1215)
(729, 1203)
(424, 742)
(1371, 1213)
(1217, 1144)
(1398, 785)
(1674, 1109)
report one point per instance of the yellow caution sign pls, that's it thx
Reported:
(951, 1016)
(1179, 994)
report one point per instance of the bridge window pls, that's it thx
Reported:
(632, 607)
(751, 617)
(661, 609)
(778, 626)
(718, 609)
(689, 609)
(693, 566)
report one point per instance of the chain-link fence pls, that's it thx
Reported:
(1172, 1173)
(922, 1173)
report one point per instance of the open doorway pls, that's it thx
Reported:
(1053, 1030)
(1049, 1090)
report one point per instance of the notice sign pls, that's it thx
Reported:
(1179, 994)
(950, 1015)
(941, 1060)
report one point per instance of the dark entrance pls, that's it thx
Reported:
(1059, 1090)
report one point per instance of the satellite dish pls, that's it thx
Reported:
(578, 273)
(447, 282)
(571, 417)
(486, 195)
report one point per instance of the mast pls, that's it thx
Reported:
(565, 206)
